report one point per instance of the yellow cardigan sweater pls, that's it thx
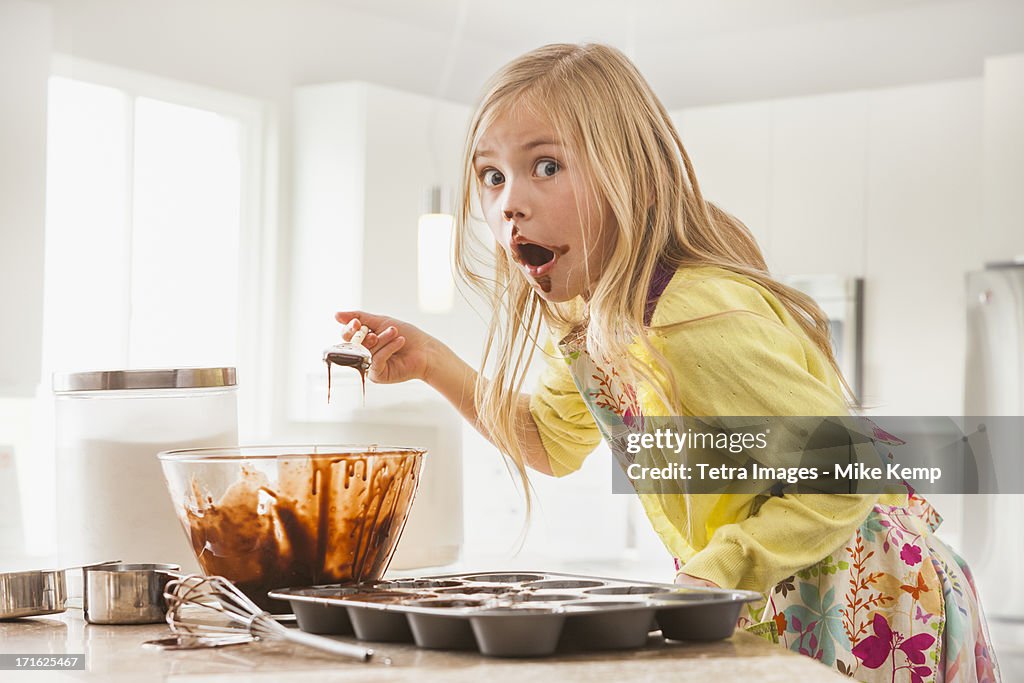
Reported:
(735, 351)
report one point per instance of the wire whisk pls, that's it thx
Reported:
(213, 608)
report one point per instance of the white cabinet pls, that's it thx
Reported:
(923, 191)
(816, 217)
(730, 147)
(793, 171)
(1002, 233)
(363, 158)
(328, 177)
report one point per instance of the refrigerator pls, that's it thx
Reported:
(993, 538)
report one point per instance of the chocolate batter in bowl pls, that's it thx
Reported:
(269, 517)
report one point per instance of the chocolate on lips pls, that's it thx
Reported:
(538, 259)
(331, 519)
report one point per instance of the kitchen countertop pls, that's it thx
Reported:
(115, 653)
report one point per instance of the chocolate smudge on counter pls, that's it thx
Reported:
(333, 518)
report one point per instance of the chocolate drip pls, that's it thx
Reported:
(348, 361)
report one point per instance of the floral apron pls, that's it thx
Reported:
(894, 603)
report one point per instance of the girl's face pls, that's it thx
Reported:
(538, 208)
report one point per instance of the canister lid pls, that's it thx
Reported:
(172, 378)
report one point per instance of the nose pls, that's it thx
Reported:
(515, 204)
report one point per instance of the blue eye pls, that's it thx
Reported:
(492, 177)
(546, 168)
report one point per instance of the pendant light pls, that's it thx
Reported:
(434, 248)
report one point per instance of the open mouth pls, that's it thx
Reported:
(534, 254)
(537, 259)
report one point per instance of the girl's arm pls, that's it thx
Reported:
(454, 379)
(733, 356)
(761, 371)
(403, 352)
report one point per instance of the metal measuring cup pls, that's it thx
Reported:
(32, 593)
(36, 592)
(126, 593)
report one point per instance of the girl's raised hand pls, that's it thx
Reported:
(400, 351)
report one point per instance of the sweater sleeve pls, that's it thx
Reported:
(567, 429)
(744, 361)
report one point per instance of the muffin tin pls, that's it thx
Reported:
(517, 614)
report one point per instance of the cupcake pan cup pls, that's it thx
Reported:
(511, 632)
(517, 614)
(380, 625)
(323, 619)
(596, 625)
(703, 619)
(436, 630)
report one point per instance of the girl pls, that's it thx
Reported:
(661, 304)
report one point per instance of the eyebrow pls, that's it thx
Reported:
(528, 146)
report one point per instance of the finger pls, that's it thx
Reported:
(385, 336)
(344, 317)
(374, 321)
(369, 339)
(350, 329)
(381, 355)
(375, 339)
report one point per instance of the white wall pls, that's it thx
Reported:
(24, 69)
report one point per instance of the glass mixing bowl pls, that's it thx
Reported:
(269, 517)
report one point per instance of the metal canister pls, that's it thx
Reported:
(109, 427)
(126, 593)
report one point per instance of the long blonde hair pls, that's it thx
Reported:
(631, 156)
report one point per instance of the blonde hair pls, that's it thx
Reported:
(629, 152)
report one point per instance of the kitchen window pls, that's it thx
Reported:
(160, 243)
(159, 246)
